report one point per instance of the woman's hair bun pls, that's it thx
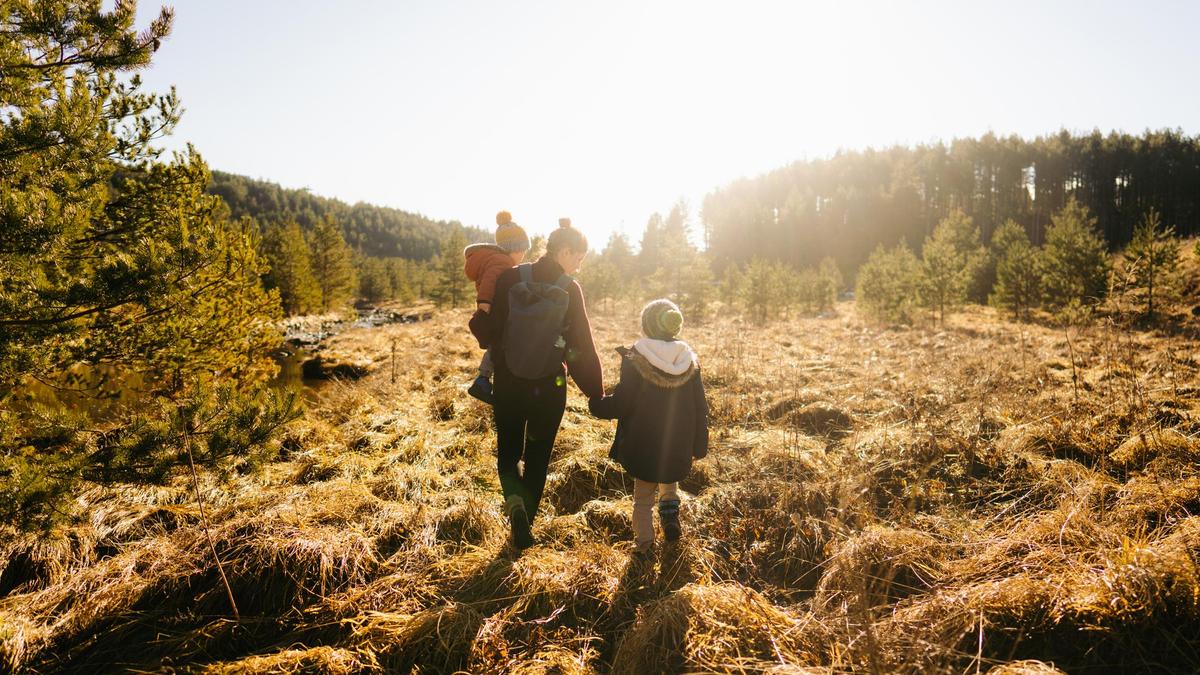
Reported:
(503, 218)
(564, 222)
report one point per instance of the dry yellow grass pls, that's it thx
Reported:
(980, 497)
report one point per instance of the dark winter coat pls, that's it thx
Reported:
(582, 362)
(662, 419)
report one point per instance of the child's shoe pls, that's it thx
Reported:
(668, 516)
(481, 389)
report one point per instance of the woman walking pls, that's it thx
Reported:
(539, 332)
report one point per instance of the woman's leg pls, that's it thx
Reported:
(546, 403)
(644, 494)
(511, 421)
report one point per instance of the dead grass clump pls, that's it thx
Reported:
(140, 522)
(400, 481)
(579, 479)
(329, 660)
(1053, 441)
(508, 644)
(475, 418)
(821, 419)
(880, 566)
(1149, 502)
(992, 619)
(436, 640)
(702, 476)
(813, 417)
(771, 532)
(576, 657)
(1141, 448)
(472, 521)
(273, 567)
(315, 469)
(725, 628)
(573, 586)
(441, 405)
(31, 562)
(612, 520)
(1026, 667)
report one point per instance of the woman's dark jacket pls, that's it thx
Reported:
(662, 419)
(581, 360)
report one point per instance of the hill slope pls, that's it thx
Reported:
(374, 230)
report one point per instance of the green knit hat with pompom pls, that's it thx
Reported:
(661, 320)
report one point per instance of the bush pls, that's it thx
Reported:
(1018, 270)
(951, 259)
(1076, 263)
(889, 284)
(1151, 264)
(766, 289)
(817, 287)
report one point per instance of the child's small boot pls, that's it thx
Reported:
(481, 389)
(668, 515)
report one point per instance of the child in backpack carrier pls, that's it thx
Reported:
(662, 419)
(485, 263)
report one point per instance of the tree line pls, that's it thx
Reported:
(374, 231)
(846, 205)
(1071, 274)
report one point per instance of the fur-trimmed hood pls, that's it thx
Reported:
(663, 363)
(482, 256)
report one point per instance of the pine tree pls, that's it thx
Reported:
(400, 279)
(830, 269)
(619, 252)
(602, 280)
(650, 253)
(374, 283)
(695, 286)
(951, 258)
(732, 287)
(450, 285)
(765, 290)
(817, 287)
(110, 257)
(889, 284)
(1152, 260)
(291, 269)
(1018, 270)
(332, 265)
(1076, 263)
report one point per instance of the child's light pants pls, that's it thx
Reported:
(485, 365)
(645, 496)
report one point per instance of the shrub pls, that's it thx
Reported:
(951, 259)
(1018, 270)
(889, 283)
(1151, 263)
(1076, 263)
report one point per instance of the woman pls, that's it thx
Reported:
(529, 410)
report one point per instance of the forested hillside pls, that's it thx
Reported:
(845, 205)
(376, 231)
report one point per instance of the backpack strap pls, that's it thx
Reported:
(564, 282)
(526, 271)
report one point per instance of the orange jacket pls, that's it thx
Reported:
(485, 263)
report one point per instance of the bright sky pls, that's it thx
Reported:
(608, 111)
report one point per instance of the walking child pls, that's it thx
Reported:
(485, 263)
(662, 419)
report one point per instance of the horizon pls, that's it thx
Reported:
(458, 112)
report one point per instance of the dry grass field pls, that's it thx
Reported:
(985, 497)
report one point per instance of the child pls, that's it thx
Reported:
(662, 419)
(485, 263)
